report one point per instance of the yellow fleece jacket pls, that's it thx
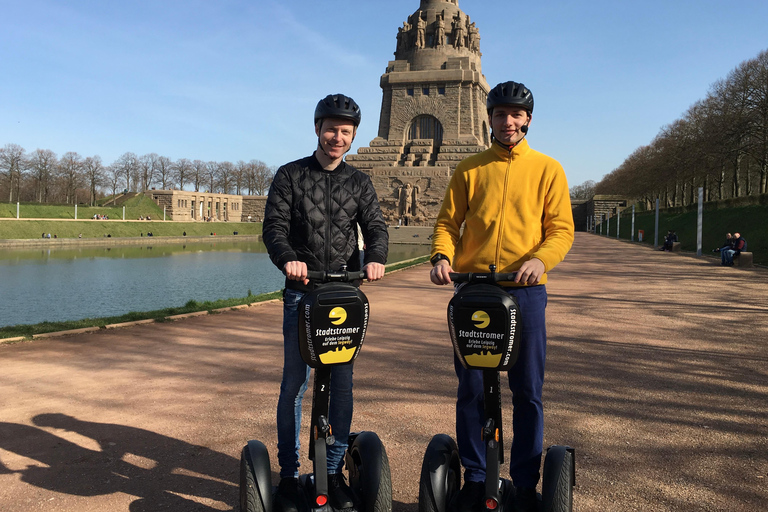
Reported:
(516, 206)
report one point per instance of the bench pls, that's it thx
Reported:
(675, 246)
(743, 259)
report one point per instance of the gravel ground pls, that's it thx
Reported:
(656, 374)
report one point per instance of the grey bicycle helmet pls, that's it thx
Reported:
(510, 93)
(338, 106)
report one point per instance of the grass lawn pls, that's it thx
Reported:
(31, 229)
(134, 207)
(59, 220)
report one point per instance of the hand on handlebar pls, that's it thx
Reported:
(440, 273)
(296, 271)
(530, 272)
(373, 271)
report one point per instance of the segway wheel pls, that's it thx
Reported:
(255, 479)
(558, 479)
(369, 475)
(440, 474)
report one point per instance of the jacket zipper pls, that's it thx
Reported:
(328, 222)
(502, 214)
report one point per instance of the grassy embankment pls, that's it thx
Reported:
(747, 220)
(59, 221)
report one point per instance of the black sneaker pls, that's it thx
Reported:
(339, 493)
(289, 497)
(526, 500)
(470, 498)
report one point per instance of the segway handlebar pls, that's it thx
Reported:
(482, 277)
(338, 276)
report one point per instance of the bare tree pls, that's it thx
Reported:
(114, 174)
(128, 164)
(94, 175)
(260, 177)
(71, 173)
(182, 171)
(12, 165)
(198, 173)
(42, 164)
(584, 191)
(758, 104)
(164, 168)
(240, 176)
(211, 173)
(147, 169)
(226, 171)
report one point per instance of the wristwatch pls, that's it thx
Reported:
(439, 256)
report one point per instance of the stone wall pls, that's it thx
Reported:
(253, 208)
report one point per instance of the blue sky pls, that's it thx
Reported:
(237, 80)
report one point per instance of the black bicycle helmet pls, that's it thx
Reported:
(510, 93)
(339, 106)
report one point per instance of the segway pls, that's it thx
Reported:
(333, 319)
(483, 323)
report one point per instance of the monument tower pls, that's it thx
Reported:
(432, 113)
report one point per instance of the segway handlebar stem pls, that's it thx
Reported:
(340, 276)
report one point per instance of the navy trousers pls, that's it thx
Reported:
(526, 379)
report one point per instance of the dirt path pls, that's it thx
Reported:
(657, 373)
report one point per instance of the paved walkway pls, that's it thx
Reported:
(657, 373)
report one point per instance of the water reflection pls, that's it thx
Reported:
(59, 284)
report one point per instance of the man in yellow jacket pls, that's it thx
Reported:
(515, 206)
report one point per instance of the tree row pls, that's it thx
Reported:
(720, 143)
(43, 177)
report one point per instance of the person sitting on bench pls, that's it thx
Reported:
(728, 244)
(668, 241)
(739, 246)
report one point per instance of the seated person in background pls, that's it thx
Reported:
(727, 244)
(668, 240)
(739, 244)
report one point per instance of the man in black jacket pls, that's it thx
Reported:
(310, 223)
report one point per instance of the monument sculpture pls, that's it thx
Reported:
(432, 113)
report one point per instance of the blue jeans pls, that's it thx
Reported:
(727, 256)
(526, 379)
(292, 388)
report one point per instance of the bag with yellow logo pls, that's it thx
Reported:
(482, 320)
(333, 319)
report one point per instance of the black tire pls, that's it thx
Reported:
(369, 475)
(255, 478)
(558, 480)
(440, 474)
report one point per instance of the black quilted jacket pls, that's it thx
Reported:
(311, 216)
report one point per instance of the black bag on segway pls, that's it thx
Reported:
(482, 320)
(332, 322)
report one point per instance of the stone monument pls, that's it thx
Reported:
(432, 113)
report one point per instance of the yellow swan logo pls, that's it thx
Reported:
(481, 319)
(338, 316)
